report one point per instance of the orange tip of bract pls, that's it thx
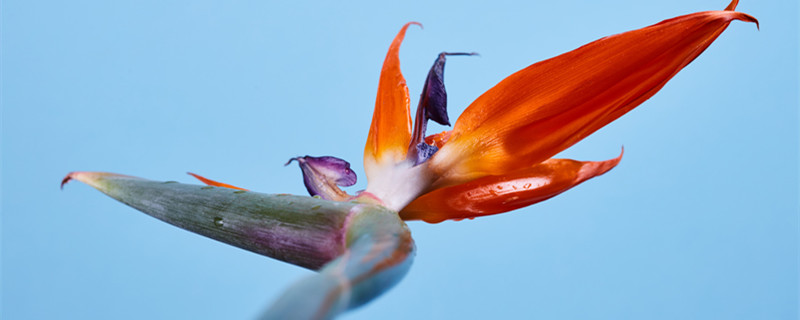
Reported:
(214, 183)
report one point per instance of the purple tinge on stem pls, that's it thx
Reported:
(323, 176)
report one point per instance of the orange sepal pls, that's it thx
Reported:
(438, 140)
(547, 107)
(214, 183)
(497, 194)
(390, 131)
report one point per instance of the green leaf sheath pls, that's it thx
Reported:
(304, 231)
(360, 250)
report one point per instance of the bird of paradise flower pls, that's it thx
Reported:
(497, 158)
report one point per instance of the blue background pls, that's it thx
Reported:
(699, 221)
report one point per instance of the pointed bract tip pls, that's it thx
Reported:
(92, 178)
(741, 16)
(414, 23)
(752, 19)
(66, 179)
(596, 168)
(735, 15)
(614, 162)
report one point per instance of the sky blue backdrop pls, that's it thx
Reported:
(699, 221)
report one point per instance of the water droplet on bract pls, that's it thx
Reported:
(218, 221)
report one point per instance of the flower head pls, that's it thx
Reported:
(497, 158)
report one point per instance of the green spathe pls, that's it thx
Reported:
(359, 249)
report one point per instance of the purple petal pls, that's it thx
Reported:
(323, 175)
(424, 151)
(432, 106)
(434, 96)
(333, 168)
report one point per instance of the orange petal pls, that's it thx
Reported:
(390, 132)
(438, 140)
(497, 194)
(214, 183)
(547, 107)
